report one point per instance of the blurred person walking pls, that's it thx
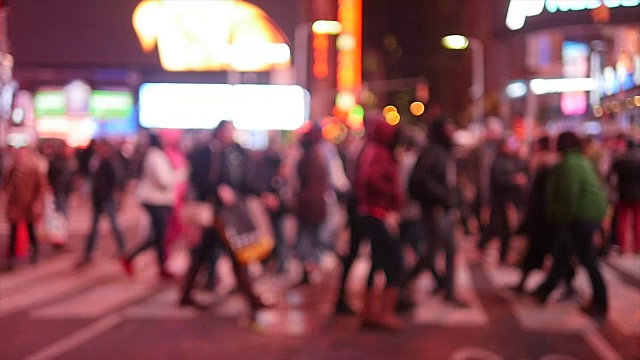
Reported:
(272, 186)
(157, 192)
(576, 203)
(219, 175)
(353, 149)
(507, 182)
(433, 183)
(627, 172)
(104, 185)
(62, 169)
(24, 187)
(310, 200)
(537, 224)
(379, 194)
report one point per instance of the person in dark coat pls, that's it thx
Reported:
(310, 204)
(219, 175)
(537, 224)
(433, 184)
(507, 181)
(104, 184)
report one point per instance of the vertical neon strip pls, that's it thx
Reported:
(349, 69)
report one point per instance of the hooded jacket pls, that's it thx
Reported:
(433, 181)
(377, 186)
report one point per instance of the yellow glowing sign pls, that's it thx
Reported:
(349, 71)
(194, 35)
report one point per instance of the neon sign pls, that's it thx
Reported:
(211, 35)
(520, 10)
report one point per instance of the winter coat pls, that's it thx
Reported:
(503, 189)
(159, 181)
(575, 192)
(313, 179)
(378, 188)
(628, 170)
(60, 175)
(433, 182)
(25, 185)
(105, 182)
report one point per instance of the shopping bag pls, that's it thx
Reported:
(248, 242)
(53, 227)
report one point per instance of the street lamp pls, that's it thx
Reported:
(460, 42)
(301, 44)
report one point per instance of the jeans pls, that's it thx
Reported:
(109, 207)
(308, 242)
(281, 251)
(498, 226)
(159, 220)
(386, 252)
(576, 239)
(439, 232)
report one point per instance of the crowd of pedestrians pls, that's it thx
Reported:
(397, 189)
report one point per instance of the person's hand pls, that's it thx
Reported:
(392, 223)
(271, 201)
(227, 195)
(520, 179)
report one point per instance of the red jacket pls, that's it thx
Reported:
(377, 185)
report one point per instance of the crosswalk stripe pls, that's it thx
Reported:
(434, 310)
(78, 338)
(51, 289)
(25, 277)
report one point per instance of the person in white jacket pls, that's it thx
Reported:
(157, 193)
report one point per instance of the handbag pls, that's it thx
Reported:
(247, 241)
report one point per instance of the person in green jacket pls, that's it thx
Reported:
(577, 204)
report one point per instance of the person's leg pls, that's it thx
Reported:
(504, 233)
(427, 261)
(624, 213)
(13, 239)
(492, 229)
(357, 235)
(636, 226)
(205, 247)
(93, 233)
(110, 209)
(34, 242)
(281, 250)
(448, 241)
(561, 259)
(387, 252)
(161, 215)
(582, 238)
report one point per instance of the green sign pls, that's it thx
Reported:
(110, 104)
(49, 103)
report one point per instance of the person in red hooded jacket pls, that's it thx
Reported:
(379, 197)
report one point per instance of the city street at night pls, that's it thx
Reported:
(52, 311)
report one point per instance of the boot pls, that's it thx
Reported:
(369, 313)
(387, 318)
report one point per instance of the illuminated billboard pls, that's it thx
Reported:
(203, 106)
(211, 35)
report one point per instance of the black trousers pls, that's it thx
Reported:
(386, 253)
(498, 226)
(159, 220)
(576, 239)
